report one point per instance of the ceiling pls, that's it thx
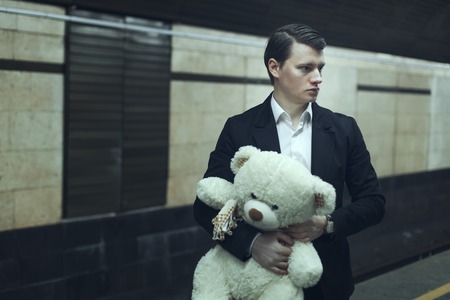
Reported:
(411, 28)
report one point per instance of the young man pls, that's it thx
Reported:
(329, 144)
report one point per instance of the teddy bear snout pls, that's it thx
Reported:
(255, 214)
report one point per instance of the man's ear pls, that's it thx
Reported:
(273, 67)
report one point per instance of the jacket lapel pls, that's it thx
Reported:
(323, 143)
(265, 131)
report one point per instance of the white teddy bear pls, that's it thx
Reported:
(270, 191)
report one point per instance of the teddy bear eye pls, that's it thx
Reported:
(274, 207)
(253, 196)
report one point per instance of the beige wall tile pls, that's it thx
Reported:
(412, 124)
(409, 163)
(40, 25)
(40, 48)
(191, 128)
(189, 159)
(181, 190)
(255, 94)
(16, 89)
(255, 67)
(8, 21)
(30, 169)
(439, 123)
(32, 6)
(6, 210)
(413, 104)
(380, 145)
(411, 144)
(438, 160)
(384, 165)
(439, 149)
(4, 131)
(206, 97)
(416, 81)
(47, 92)
(440, 142)
(36, 130)
(31, 91)
(440, 94)
(185, 128)
(213, 46)
(376, 124)
(338, 90)
(373, 77)
(37, 207)
(7, 42)
(375, 102)
(6, 90)
(208, 63)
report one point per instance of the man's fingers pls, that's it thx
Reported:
(278, 271)
(283, 266)
(284, 239)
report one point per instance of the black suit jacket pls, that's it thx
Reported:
(339, 156)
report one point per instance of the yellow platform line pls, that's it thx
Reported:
(435, 293)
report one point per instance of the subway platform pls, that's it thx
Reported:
(425, 279)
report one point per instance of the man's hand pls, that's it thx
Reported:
(307, 231)
(271, 250)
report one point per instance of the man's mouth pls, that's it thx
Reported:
(314, 91)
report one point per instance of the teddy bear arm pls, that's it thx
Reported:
(328, 194)
(305, 266)
(215, 192)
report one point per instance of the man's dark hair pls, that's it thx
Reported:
(281, 40)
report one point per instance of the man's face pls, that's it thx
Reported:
(298, 79)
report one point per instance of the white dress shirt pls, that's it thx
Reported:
(294, 142)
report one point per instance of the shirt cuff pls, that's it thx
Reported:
(251, 245)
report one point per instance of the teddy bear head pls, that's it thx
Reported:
(273, 190)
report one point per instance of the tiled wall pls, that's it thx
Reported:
(403, 129)
(31, 116)
(439, 133)
(405, 133)
(198, 109)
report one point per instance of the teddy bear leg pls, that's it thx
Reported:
(305, 266)
(282, 289)
(209, 280)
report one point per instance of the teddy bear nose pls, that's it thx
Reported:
(255, 214)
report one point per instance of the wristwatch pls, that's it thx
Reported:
(329, 225)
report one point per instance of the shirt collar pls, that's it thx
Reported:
(278, 111)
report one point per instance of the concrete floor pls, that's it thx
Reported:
(408, 282)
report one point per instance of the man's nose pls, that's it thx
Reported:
(316, 77)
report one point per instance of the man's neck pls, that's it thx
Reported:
(294, 110)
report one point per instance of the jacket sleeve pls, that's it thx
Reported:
(367, 205)
(239, 242)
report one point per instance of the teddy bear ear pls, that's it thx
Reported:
(241, 157)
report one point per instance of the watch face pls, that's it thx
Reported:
(330, 227)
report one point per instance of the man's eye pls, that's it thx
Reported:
(274, 207)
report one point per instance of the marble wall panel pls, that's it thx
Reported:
(38, 48)
(35, 130)
(30, 169)
(37, 207)
(338, 89)
(6, 39)
(6, 210)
